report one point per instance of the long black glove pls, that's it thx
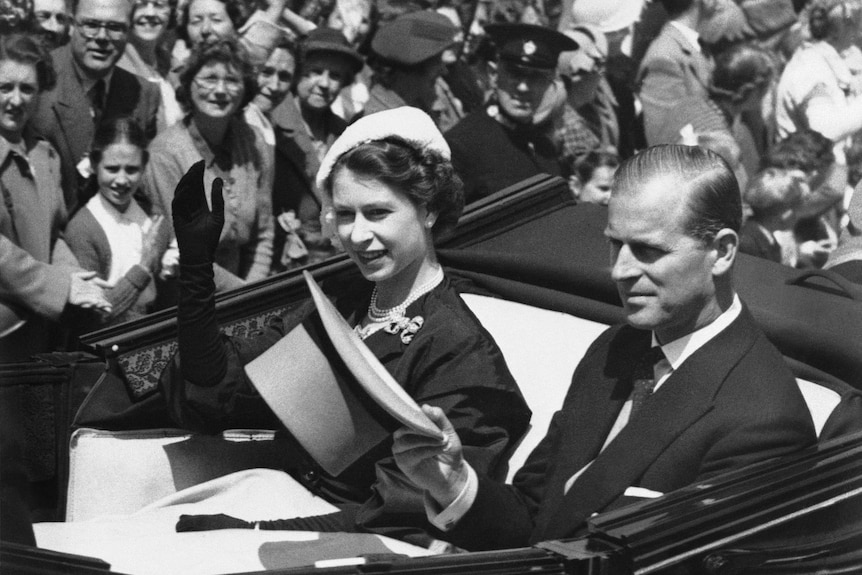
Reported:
(202, 357)
(328, 523)
(197, 228)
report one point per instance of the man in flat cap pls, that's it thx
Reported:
(500, 145)
(407, 59)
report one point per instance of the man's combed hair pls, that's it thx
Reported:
(715, 202)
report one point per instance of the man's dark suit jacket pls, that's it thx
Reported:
(64, 118)
(489, 157)
(731, 403)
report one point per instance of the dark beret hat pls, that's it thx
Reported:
(414, 37)
(331, 40)
(529, 45)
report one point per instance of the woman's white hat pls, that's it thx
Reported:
(406, 123)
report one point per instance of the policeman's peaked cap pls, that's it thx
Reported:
(529, 45)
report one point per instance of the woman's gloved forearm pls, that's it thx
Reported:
(325, 523)
(202, 356)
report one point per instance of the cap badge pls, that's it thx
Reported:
(529, 48)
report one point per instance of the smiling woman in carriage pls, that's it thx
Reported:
(392, 190)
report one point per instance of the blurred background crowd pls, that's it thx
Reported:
(104, 105)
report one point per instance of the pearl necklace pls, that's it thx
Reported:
(377, 315)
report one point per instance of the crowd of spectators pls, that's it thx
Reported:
(104, 105)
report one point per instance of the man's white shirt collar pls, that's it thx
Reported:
(678, 350)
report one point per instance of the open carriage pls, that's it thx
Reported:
(534, 270)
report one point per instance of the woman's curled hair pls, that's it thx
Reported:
(423, 175)
(27, 49)
(226, 51)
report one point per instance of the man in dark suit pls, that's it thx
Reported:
(674, 67)
(721, 395)
(90, 89)
(500, 144)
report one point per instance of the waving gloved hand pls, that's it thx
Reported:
(197, 228)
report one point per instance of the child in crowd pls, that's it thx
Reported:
(112, 234)
(593, 175)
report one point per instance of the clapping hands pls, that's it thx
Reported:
(88, 292)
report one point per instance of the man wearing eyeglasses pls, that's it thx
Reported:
(91, 89)
(500, 144)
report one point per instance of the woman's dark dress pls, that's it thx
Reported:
(452, 363)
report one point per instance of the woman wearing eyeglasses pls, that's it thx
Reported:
(147, 54)
(214, 87)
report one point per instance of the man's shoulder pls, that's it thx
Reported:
(61, 58)
(478, 119)
(617, 347)
(124, 80)
(67, 81)
(668, 42)
(475, 127)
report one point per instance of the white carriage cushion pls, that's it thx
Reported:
(542, 349)
(119, 472)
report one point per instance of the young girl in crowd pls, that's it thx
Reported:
(111, 234)
(593, 175)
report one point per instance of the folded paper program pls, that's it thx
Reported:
(322, 404)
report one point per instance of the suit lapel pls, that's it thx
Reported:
(588, 416)
(696, 61)
(72, 108)
(686, 396)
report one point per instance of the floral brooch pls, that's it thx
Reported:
(407, 327)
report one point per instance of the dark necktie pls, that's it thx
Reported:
(97, 100)
(643, 377)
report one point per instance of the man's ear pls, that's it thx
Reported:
(493, 74)
(726, 245)
(576, 186)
